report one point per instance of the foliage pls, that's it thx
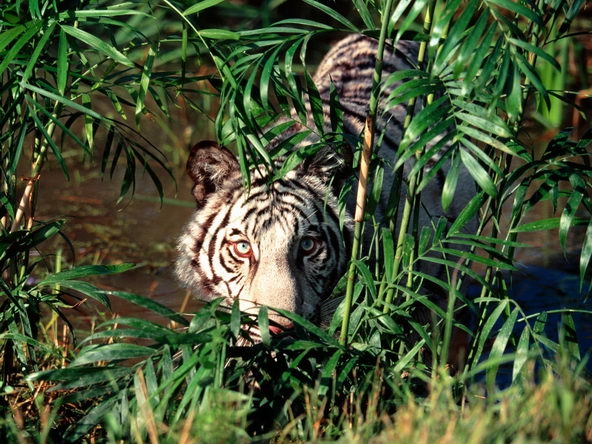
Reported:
(56, 75)
(200, 385)
(137, 380)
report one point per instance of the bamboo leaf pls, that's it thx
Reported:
(263, 323)
(38, 50)
(47, 139)
(98, 44)
(75, 377)
(586, 255)
(467, 214)
(539, 52)
(456, 34)
(62, 62)
(61, 99)
(487, 329)
(147, 303)
(364, 13)
(83, 271)
(478, 173)
(111, 353)
(449, 188)
(218, 34)
(144, 84)
(545, 224)
(200, 6)
(332, 14)
(521, 10)
(522, 353)
(30, 30)
(568, 215)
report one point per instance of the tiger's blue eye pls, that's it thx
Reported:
(242, 248)
(308, 244)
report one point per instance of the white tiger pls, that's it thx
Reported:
(281, 243)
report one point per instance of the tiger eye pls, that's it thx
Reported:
(308, 244)
(242, 248)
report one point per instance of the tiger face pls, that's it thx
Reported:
(277, 244)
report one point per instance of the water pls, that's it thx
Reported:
(144, 232)
(139, 231)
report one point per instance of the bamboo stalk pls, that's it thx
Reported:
(368, 144)
(410, 195)
(26, 202)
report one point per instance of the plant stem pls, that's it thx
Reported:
(26, 202)
(368, 144)
(410, 195)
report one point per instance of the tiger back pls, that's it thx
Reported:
(282, 243)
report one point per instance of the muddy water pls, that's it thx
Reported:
(140, 230)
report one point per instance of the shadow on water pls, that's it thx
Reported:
(140, 230)
(556, 293)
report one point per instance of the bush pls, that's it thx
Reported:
(136, 380)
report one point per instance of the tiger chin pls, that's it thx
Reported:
(277, 244)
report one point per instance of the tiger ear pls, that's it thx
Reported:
(332, 164)
(209, 165)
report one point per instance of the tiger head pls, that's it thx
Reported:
(274, 243)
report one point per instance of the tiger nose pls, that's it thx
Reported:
(275, 286)
(284, 327)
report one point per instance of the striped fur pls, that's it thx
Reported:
(280, 244)
(293, 251)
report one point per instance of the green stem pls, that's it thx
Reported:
(368, 144)
(26, 202)
(410, 195)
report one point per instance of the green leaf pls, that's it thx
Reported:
(319, 332)
(568, 339)
(144, 84)
(31, 30)
(456, 34)
(263, 322)
(521, 9)
(75, 377)
(409, 10)
(98, 44)
(111, 353)
(536, 50)
(84, 271)
(528, 70)
(538, 225)
(481, 118)
(85, 288)
(7, 37)
(62, 62)
(566, 221)
(200, 6)
(486, 331)
(522, 353)
(467, 214)
(364, 13)
(449, 188)
(62, 99)
(37, 50)
(478, 173)
(218, 34)
(586, 255)
(333, 14)
(149, 304)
